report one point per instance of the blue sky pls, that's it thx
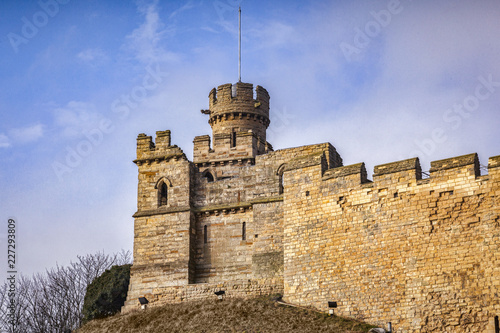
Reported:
(381, 80)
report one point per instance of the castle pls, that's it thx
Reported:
(420, 252)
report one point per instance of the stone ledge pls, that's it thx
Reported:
(456, 162)
(235, 207)
(161, 211)
(159, 158)
(494, 162)
(227, 208)
(347, 170)
(234, 161)
(305, 161)
(404, 165)
(201, 138)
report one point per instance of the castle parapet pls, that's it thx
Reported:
(451, 167)
(307, 161)
(406, 170)
(349, 175)
(145, 145)
(494, 167)
(147, 150)
(201, 149)
(241, 93)
(163, 140)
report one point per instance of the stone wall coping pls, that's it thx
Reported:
(323, 145)
(160, 157)
(455, 162)
(201, 138)
(494, 162)
(343, 171)
(160, 134)
(398, 166)
(305, 161)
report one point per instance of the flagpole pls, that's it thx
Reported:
(239, 47)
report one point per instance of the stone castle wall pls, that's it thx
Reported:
(222, 231)
(420, 253)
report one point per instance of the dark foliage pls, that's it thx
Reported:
(107, 293)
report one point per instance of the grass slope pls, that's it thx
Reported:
(230, 315)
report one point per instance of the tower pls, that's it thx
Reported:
(239, 118)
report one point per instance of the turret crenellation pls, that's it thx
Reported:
(147, 150)
(239, 117)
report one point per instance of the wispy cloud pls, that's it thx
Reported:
(26, 134)
(276, 34)
(187, 6)
(75, 118)
(146, 40)
(4, 141)
(92, 56)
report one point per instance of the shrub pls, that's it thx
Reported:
(107, 293)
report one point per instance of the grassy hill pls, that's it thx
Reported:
(229, 315)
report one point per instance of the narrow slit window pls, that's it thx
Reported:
(497, 325)
(244, 231)
(205, 234)
(282, 187)
(163, 194)
(233, 139)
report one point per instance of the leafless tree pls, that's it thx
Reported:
(52, 302)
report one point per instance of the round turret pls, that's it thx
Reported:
(234, 109)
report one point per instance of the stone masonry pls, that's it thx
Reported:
(422, 253)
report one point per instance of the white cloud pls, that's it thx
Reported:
(4, 141)
(276, 34)
(187, 6)
(27, 134)
(145, 41)
(93, 56)
(76, 118)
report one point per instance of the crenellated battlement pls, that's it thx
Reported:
(451, 170)
(158, 150)
(454, 170)
(241, 94)
(239, 117)
(235, 108)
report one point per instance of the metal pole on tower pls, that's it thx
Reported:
(239, 47)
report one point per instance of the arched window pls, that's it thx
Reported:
(208, 175)
(163, 199)
(281, 185)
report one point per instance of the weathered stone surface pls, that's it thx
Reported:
(420, 253)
